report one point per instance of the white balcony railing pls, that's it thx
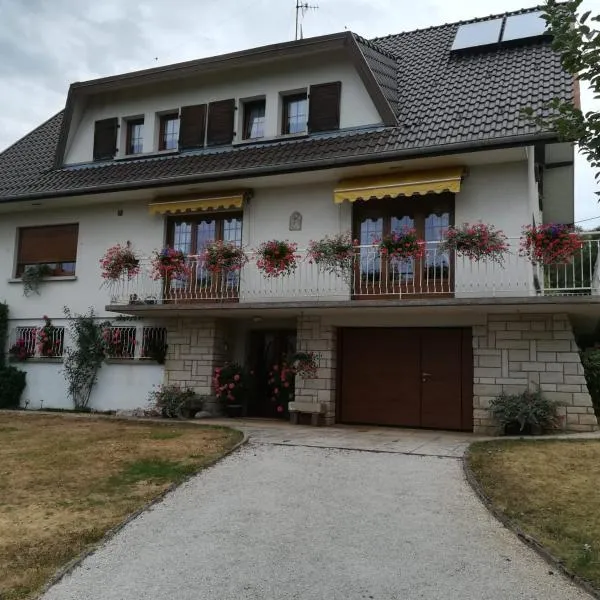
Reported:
(436, 275)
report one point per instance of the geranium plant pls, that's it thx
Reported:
(118, 262)
(281, 386)
(49, 341)
(232, 384)
(276, 258)
(19, 351)
(168, 264)
(224, 257)
(334, 254)
(551, 244)
(477, 241)
(403, 245)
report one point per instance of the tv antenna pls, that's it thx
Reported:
(301, 9)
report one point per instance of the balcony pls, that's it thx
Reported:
(437, 275)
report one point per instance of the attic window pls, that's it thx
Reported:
(135, 136)
(295, 114)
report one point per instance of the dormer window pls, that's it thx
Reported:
(135, 136)
(295, 113)
(169, 132)
(254, 119)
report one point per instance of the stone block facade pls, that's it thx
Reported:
(314, 336)
(196, 348)
(512, 353)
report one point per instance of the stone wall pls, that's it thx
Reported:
(314, 336)
(196, 347)
(512, 353)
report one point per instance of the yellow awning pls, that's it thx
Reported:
(434, 181)
(216, 201)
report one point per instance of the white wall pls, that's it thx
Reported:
(498, 195)
(357, 108)
(123, 387)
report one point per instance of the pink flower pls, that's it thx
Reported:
(286, 384)
(231, 386)
(236, 377)
(280, 409)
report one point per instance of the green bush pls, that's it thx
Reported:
(12, 384)
(529, 409)
(590, 359)
(169, 401)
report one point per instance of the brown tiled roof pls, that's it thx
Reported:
(444, 102)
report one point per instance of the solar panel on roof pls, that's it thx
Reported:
(524, 26)
(473, 35)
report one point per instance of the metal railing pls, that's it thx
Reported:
(437, 274)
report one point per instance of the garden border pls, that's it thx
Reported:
(76, 562)
(527, 539)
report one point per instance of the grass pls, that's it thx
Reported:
(66, 479)
(550, 489)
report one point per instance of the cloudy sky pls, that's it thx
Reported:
(47, 44)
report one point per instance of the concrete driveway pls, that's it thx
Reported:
(306, 514)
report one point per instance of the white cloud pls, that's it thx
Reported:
(47, 44)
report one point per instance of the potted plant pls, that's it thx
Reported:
(118, 262)
(33, 276)
(232, 385)
(403, 245)
(334, 254)
(476, 242)
(552, 244)
(276, 258)
(281, 387)
(524, 414)
(305, 364)
(48, 342)
(168, 264)
(223, 257)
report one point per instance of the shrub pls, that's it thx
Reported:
(232, 383)
(168, 401)
(528, 409)
(12, 384)
(590, 359)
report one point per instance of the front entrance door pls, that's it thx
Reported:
(266, 349)
(412, 377)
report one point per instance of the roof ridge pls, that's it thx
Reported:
(521, 11)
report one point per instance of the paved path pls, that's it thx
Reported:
(278, 520)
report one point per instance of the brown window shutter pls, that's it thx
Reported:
(192, 126)
(105, 138)
(221, 117)
(324, 107)
(52, 244)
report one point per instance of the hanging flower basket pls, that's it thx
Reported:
(476, 242)
(224, 257)
(333, 254)
(118, 262)
(405, 245)
(305, 364)
(276, 258)
(552, 244)
(169, 264)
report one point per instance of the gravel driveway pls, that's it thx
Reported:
(306, 523)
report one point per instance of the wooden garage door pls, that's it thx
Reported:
(413, 377)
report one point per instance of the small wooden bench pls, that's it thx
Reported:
(314, 409)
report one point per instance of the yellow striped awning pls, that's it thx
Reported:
(215, 201)
(435, 181)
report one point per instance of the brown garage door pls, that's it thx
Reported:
(412, 377)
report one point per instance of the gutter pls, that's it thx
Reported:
(342, 161)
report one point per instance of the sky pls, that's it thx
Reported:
(47, 44)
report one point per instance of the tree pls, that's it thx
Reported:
(578, 44)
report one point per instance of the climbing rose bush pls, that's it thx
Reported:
(48, 343)
(276, 258)
(119, 261)
(476, 242)
(550, 244)
(232, 383)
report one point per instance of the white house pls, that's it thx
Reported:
(298, 141)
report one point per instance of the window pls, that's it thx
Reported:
(28, 342)
(120, 341)
(54, 246)
(295, 113)
(254, 119)
(25, 343)
(169, 132)
(154, 343)
(135, 136)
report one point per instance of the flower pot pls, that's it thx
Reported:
(234, 411)
(514, 428)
